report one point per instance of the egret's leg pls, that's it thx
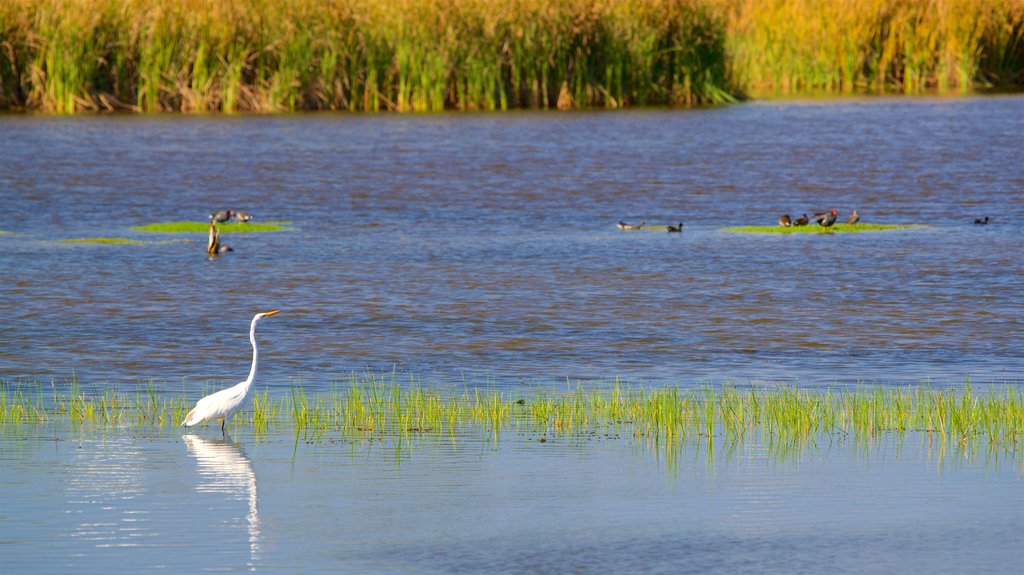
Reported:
(223, 422)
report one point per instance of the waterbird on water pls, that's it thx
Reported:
(980, 221)
(801, 221)
(826, 219)
(221, 216)
(678, 228)
(625, 226)
(854, 218)
(241, 216)
(226, 402)
(784, 221)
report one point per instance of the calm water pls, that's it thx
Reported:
(83, 503)
(485, 245)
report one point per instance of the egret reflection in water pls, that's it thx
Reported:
(225, 469)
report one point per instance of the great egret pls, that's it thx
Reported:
(224, 403)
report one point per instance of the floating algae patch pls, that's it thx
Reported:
(816, 229)
(204, 227)
(118, 241)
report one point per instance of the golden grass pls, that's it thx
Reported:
(66, 56)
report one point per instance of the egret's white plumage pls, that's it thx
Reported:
(224, 403)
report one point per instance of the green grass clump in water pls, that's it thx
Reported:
(204, 227)
(816, 229)
(375, 407)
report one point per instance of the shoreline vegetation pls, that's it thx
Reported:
(372, 406)
(69, 56)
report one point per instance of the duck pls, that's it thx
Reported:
(826, 219)
(981, 221)
(801, 221)
(221, 216)
(243, 217)
(854, 218)
(625, 226)
(784, 221)
(678, 228)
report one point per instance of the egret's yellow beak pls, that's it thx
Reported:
(270, 313)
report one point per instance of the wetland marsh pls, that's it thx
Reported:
(570, 397)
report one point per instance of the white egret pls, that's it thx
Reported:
(224, 403)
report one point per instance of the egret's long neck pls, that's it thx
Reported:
(255, 356)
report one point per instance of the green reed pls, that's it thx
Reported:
(378, 406)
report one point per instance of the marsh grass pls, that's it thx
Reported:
(422, 55)
(204, 227)
(816, 229)
(377, 406)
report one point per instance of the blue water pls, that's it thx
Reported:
(484, 246)
(464, 249)
(155, 500)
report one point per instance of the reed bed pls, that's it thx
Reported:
(376, 406)
(66, 56)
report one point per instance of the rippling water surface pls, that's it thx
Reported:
(485, 247)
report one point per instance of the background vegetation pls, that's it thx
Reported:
(413, 55)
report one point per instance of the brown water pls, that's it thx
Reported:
(484, 246)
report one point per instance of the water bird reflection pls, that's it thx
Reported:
(224, 469)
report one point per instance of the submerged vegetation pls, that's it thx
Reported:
(373, 406)
(413, 55)
(204, 227)
(816, 229)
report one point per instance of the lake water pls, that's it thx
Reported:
(482, 249)
(87, 502)
(483, 246)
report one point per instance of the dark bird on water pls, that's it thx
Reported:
(854, 218)
(784, 221)
(826, 219)
(625, 226)
(801, 221)
(221, 216)
(243, 217)
(981, 221)
(678, 228)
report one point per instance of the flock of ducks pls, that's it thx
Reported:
(224, 215)
(213, 245)
(824, 219)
